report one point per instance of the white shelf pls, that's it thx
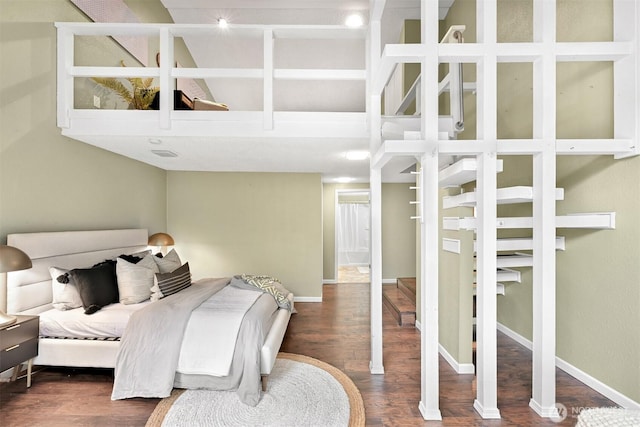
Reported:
(521, 244)
(461, 172)
(507, 195)
(518, 260)
(508, 275)
(505, 275)
(597, 220)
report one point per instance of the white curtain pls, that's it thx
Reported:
(353, 233)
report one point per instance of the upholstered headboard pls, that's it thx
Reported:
(29, 291)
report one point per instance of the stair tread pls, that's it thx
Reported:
(401, 302)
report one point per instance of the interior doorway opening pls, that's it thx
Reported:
(353, 236)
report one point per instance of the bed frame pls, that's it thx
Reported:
(29, 292)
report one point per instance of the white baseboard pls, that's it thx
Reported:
(307, 299)
(335, 282)
(460, 368)
(578, 374)
(464, 368)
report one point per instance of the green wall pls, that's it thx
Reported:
(398, 230)
(49, 182)
(598, 296)
(257, 223)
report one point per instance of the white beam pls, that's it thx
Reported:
(543, 398)
(375, 184)
(626, 75)
(166, 83)
(429, 229)
(376, 364)
(486, 402)
(267, 87)
(393, 148)
(65, 86)
(376, 8)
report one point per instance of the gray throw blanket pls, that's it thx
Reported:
(150, 346)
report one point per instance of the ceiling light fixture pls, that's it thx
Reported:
(357, 155)
(155, 141)
(354, 21)
(222, 23)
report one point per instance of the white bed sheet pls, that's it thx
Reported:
(108, 322)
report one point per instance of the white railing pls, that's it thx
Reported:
(167, 72)
(452, 82)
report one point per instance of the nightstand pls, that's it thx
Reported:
(19, 344)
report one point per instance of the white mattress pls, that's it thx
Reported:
(108, 322)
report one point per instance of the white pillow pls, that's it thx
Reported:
(65, 295)
(135, 280)
(169, 263)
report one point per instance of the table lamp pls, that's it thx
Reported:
(11, 259)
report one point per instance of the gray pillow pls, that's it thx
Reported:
(135, 280)
(169, 262)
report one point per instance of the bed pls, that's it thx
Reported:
(100, 345)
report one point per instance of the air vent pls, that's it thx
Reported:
(164, 153)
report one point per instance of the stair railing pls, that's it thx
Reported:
(453, 82)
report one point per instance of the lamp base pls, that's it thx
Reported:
(6, 319)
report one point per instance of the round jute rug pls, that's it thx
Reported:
(302, 391)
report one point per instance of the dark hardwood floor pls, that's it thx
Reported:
(335, 331)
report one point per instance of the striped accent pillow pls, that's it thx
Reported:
(170, 283)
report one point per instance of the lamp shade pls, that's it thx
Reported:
(13, 259)
(160, 239)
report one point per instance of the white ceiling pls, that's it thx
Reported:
(294, 155)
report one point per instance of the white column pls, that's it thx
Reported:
(166, 86)
(544, 212)
(486, 402)
(65, 45)
(626, 78)
(375, 186)
(375, 183)
(430, 383)
(267, 109)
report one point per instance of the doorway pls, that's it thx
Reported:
(353, 236)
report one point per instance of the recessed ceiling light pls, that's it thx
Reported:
(222, 23)
(357, 155)
(155, 141)
(354, 21)
(344, 179)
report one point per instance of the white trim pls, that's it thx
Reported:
(329, 281)
(578, 374)
(460, 368)
(307, 299)
(336, 215)
(451, 245)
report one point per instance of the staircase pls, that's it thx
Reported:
(400, 300)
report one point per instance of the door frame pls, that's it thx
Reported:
(336, 217)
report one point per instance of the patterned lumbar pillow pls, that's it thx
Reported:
(267, 284)
(170, 283)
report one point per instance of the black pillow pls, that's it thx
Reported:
(97, 286)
